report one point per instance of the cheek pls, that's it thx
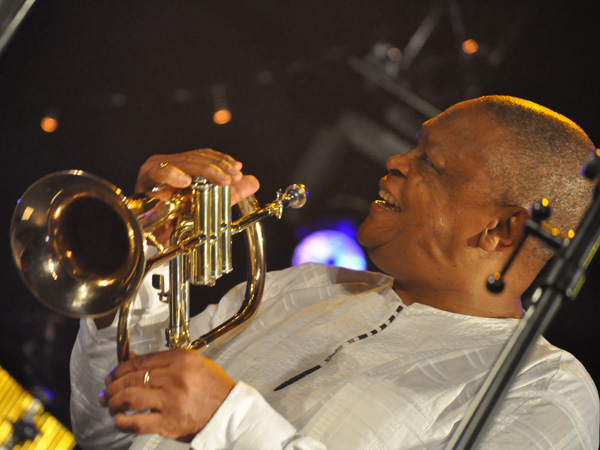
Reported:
(436, 234)
(456, 232)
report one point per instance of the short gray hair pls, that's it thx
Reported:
(541, 158)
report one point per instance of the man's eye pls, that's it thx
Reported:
(425, 159)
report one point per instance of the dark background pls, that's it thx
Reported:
(311, 102)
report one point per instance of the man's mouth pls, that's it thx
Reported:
(389, 200)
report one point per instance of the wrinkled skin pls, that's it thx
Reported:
(443, 228)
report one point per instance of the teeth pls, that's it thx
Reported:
(389, 198)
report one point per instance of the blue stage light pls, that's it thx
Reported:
(335, 246)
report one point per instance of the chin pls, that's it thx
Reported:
(370, 234)
(362, 234)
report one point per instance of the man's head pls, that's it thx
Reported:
(543, 152)
(456, 203)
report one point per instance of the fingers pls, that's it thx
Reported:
(161, 175)
(132, 373)
(142, 363)
(245, 187)
(175, 171)
(131, 381)
(180, 387)
(139, 423)
(138, 398)
(152, 422)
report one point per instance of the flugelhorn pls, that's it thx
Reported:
(80, 247)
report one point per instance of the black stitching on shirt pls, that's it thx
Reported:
(338, 349)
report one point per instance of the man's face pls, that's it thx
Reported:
(435, 201)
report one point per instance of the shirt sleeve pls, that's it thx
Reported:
(94, 355)
(246, 421)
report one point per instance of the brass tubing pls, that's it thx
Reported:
(199, 258)
(124, 327)
(294, 197)
(225, 231)
(179, 298)
(215, 224)
(179, 295)
(257, 267)
(186, 245)
(204, 223)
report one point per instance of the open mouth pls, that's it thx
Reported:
(388, 200)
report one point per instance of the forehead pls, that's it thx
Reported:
(468, 142)
(464, 132)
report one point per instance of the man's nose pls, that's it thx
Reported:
(399, 164)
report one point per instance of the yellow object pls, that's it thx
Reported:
(17, 404)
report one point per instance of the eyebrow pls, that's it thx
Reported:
(422, 135)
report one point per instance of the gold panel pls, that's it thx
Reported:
(17, 404)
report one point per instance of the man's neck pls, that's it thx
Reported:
(480, 304)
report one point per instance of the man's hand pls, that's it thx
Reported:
(170, 173)
(181, 389)
(174, 172)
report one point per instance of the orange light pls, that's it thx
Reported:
(497, 276)
(49, 124)
(470, 46)
(222, 116)
(571, 234)
(545, 202)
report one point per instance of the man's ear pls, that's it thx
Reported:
(505, 230)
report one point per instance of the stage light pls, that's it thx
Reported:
(49, 122)
(470, 46)
(222, 113)
(331, 242)
(222, 116)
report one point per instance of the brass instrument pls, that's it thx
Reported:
(79, 245)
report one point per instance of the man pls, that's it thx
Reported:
(344, 359)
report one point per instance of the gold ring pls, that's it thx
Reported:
(147, 378)
(162, 165)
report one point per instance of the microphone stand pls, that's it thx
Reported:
(560, 279)
(12, 13)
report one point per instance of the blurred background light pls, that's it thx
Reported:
(49, 122)
(222, 113)
(222, 116)
(470, 46)
(331, 242)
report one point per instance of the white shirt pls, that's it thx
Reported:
(406, 385)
